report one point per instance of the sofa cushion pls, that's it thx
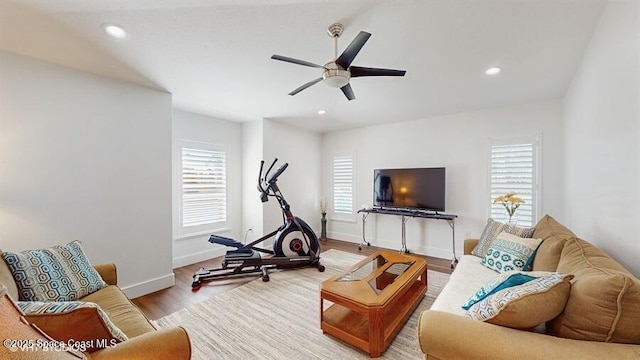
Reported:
(468, 276)
(510, 252)
(553, 235)
(124, 314)
(525, 306)
(82, 325)
(492, 230)
(604, 303)
(59, 273)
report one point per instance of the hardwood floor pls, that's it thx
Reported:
(179, 296)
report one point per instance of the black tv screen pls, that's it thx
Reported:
(420, 188)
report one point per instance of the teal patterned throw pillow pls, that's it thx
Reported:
(59, 273)
(502, 282)
(510, 252)
(525, 306)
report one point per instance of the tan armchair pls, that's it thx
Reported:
(144, 340)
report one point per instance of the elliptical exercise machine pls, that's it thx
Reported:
(295, 244)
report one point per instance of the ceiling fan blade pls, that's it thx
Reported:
(348, 92)
(357, 71)
(296, 61)
(312, 82)
(353, 49)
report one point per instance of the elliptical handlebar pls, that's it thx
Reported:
(269, 169)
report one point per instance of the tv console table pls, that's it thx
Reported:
(405, 215)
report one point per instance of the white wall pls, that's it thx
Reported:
(459, 143)
(601, 134)
(252, 154)
(193, 127)
(300, 183)
(88, 158)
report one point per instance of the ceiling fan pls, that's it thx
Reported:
(338, 72)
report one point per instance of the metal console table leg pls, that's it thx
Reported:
(452, 224)
(364, 240)
(404, 248)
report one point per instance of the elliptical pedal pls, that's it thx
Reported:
(241, 254)
(217, 239)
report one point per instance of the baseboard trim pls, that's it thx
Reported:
(199, 256)
(344, 237)
(147, 287)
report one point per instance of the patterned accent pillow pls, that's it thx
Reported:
(503, 281)
(525, 306)
(492, 230)
(510, 252)
(59, 273)
(84, 323)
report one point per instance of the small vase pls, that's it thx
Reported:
(323, 233)
(513, 221)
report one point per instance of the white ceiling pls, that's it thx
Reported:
(214, 55)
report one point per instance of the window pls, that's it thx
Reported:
(343, 184)
(514, 169)
(203, 195)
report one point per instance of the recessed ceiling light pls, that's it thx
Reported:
(322, 112)
(492, 71)
(114, 31)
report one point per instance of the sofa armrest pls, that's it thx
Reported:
(469, 245)
(447, 336)
(171, 343)
(108, 272)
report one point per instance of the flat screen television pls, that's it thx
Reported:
(419, 188)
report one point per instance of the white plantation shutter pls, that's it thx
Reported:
(513, 169)
(343, 184)
(204, 186)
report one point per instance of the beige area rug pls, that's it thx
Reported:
(280, 319)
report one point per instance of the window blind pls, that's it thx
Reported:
(513, 170)
(204, 186)
(343, 184)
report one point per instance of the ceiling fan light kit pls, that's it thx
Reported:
(335, 77)
(338, 73)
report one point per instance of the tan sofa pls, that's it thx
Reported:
(600, 319)
(145, 342)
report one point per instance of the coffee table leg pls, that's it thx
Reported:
(322, 314)
(376, 332)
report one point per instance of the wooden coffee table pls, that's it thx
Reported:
(373, 299)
